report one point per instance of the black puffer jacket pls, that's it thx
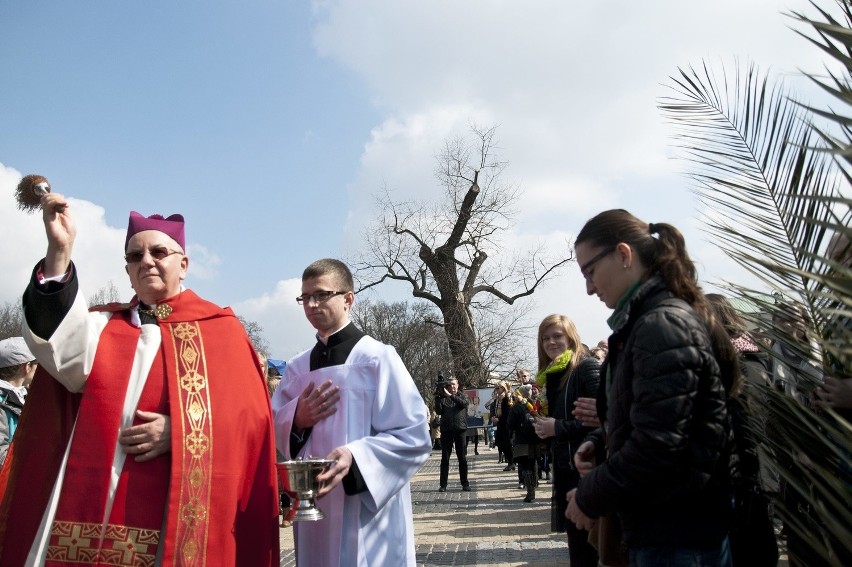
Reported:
(667, 428)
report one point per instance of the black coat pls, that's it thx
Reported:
(583, 383)
(453, 411)
(520, 424)
(667, 428)
(570, 433)
(503, 436)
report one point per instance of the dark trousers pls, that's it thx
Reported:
(580, 551)
(448, 440)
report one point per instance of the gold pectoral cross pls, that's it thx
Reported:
(161, 311)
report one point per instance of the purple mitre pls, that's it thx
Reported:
(171, 226)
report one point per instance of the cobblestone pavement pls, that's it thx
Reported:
(489, 526)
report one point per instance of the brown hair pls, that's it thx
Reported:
(9, 372)
(727, 316)
(336, 268)
(664, 255)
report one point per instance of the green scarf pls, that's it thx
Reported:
(622, 309)
(558, 364)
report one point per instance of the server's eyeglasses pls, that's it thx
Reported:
(318, 296)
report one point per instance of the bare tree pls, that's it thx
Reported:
(441, 249)
(254, 330)
(407, 327)
(11, 319)
(107, 294)
(506, 341)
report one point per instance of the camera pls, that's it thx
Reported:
(442, 383)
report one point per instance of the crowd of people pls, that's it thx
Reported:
(653, 434)
(148, 432)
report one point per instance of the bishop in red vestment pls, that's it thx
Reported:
(147, 437)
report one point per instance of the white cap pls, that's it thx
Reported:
(14, 351)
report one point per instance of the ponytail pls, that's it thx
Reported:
(662, 248)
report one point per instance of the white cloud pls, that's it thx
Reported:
(574, 89)
(25, 244)
(98, 257)
(283, 320)
(572, 86)
(97, 248)
(203, 263)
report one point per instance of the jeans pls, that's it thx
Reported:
(681, 557)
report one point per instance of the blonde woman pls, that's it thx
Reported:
(566, 372)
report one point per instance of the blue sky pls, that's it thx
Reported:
(272, 125)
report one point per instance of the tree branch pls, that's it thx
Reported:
(464, 214)
(510, 299)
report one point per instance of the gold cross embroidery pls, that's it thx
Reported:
(130, 547)
(74, 542)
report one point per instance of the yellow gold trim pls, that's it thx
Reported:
(83, 543)
(196, 454)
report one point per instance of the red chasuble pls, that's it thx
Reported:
(217, 486)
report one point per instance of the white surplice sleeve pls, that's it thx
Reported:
(400, 444)
(69, 353)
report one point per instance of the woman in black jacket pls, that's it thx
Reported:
(667, 373)
(525, 443)
(500, 418)
(566, 372)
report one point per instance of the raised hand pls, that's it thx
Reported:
(61, 230)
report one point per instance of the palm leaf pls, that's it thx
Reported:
(834, 38)
(773, 196)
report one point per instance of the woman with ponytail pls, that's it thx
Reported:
(663, 394)
(566, 372)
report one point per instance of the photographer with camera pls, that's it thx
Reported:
(451, 405)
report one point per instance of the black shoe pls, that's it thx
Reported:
(509, 468)
(442, 489)
(466, 488)
(475, 452)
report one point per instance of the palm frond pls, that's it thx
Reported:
(770, 199)
(774, 188)
(834, 37)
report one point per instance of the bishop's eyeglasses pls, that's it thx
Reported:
(317, 296)
(158, 253)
